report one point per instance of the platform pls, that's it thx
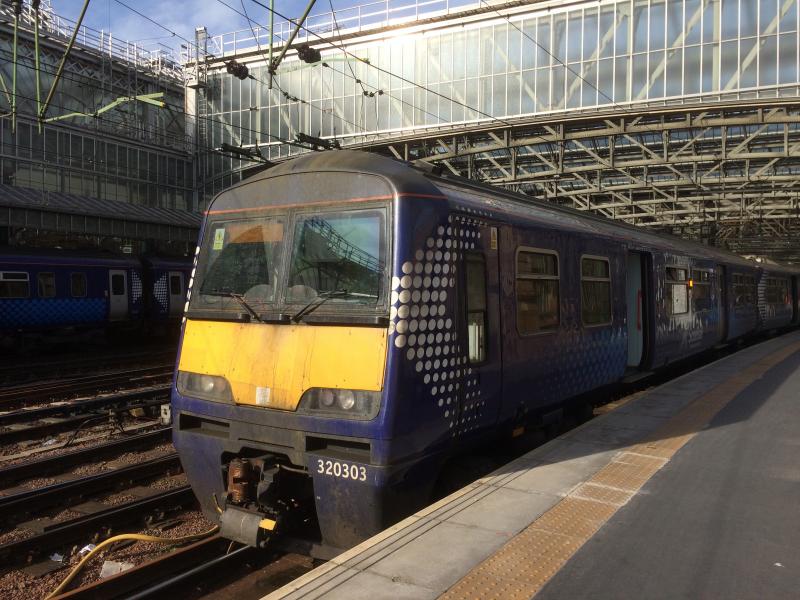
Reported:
(689, 490)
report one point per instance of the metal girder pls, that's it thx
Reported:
(723, 165)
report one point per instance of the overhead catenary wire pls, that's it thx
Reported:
(250, 22)
(343, 49)
(378, 90)
(284, 92)
(211, 119)
(115, 122)
(565, 65)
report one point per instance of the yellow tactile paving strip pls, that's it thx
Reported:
(528, 561)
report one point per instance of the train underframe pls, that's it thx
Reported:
(323, 486)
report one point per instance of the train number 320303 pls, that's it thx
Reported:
(343, 470)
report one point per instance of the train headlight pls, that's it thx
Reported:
(348, 404)
(327, 398)
(346, 399)
(209, 387)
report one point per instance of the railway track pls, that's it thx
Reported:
(17, 506)
(58, 463)
(16, 372)
(36, 423)
(18, 396)
(163, 574)
(96, 525)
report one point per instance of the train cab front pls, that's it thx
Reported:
(279, 397)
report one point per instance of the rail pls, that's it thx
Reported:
(15, 507)
(57, 463)
(66, 533)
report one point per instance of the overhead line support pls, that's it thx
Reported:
(35, 4)
(17, 6)
(60, 70)
(273, 65)
(271, 32)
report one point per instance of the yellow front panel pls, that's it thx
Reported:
(287, 359)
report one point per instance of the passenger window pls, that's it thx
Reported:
(595, 291)
(777, 291)
(175, 287)
(476, 306)
(118, 284)
(14, 285)
(701, 290)
(77, 285)
(677, 293)
(537, 291)
(46, 285)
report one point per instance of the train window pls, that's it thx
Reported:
(175, 287)
(341, 254)
(595, 291)
(744, 290)
(240, 257)
(776, 291)
(476, 306)
(118, 284)
(14, 285)
(46, 283)
(537, 291)
(676, 291)
(701, 290)
(77, 285)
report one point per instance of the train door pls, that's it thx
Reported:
(635, 302)
(177, 293)
(480, 390)
(118, 295)
(722, 302)
(795, 300)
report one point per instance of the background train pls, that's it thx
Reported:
(354, 323)
(46, 293)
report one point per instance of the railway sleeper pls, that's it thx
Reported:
(96, 526)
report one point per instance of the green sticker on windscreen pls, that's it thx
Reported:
(219, 239)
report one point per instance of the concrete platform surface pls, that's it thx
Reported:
(690, 490)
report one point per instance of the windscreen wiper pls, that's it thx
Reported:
(239, 298)
(323, 297)
(320, 299)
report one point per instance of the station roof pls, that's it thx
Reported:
(71, 212)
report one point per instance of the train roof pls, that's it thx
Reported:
(407, 178)
(56, 256)
(167, 262)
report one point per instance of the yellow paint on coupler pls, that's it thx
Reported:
(284, 360)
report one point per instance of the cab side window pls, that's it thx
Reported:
(476, 306)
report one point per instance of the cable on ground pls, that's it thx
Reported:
(118, 538)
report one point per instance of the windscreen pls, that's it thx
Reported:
(268, 263)
(338, 253)
(239, 257)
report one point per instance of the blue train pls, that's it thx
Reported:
(49, 292)
(355, 322)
